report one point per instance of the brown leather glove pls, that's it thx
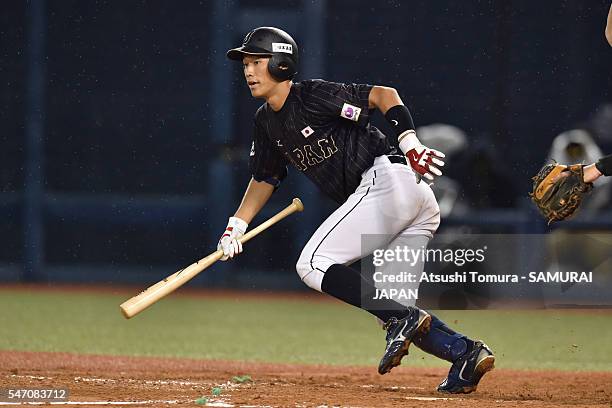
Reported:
(558, 190)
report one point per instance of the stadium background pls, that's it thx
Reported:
(125, 131)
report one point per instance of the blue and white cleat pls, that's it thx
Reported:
(399, 335)
(466, 372)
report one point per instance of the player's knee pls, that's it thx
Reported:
(302, 267)
(311, 270)
(307, 274)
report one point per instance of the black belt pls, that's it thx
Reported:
(396, 158)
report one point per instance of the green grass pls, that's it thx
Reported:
(285, 331)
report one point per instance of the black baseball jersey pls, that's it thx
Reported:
(323, 130)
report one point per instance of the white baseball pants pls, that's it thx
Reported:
(388, 204)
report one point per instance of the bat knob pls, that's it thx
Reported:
(298, 204)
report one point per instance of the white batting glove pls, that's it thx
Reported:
(229, 240)
(423, 160)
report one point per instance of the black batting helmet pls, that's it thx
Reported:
(272, 42)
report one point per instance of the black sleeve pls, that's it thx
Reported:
(336, 100)
(266, 163)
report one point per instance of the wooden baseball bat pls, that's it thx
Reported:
(152, 294)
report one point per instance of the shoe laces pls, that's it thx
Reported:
(392, 321)
(391, 324)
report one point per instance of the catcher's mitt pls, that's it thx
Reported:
(558, 190)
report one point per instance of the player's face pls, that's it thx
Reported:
(258, 78)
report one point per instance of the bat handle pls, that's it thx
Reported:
(295, 206)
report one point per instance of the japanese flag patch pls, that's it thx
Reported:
(350, 112)
(307, 131)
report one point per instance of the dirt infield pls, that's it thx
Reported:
(155, 382)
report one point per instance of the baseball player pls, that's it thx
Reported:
(323, 130)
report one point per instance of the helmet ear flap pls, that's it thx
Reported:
(281, 67)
